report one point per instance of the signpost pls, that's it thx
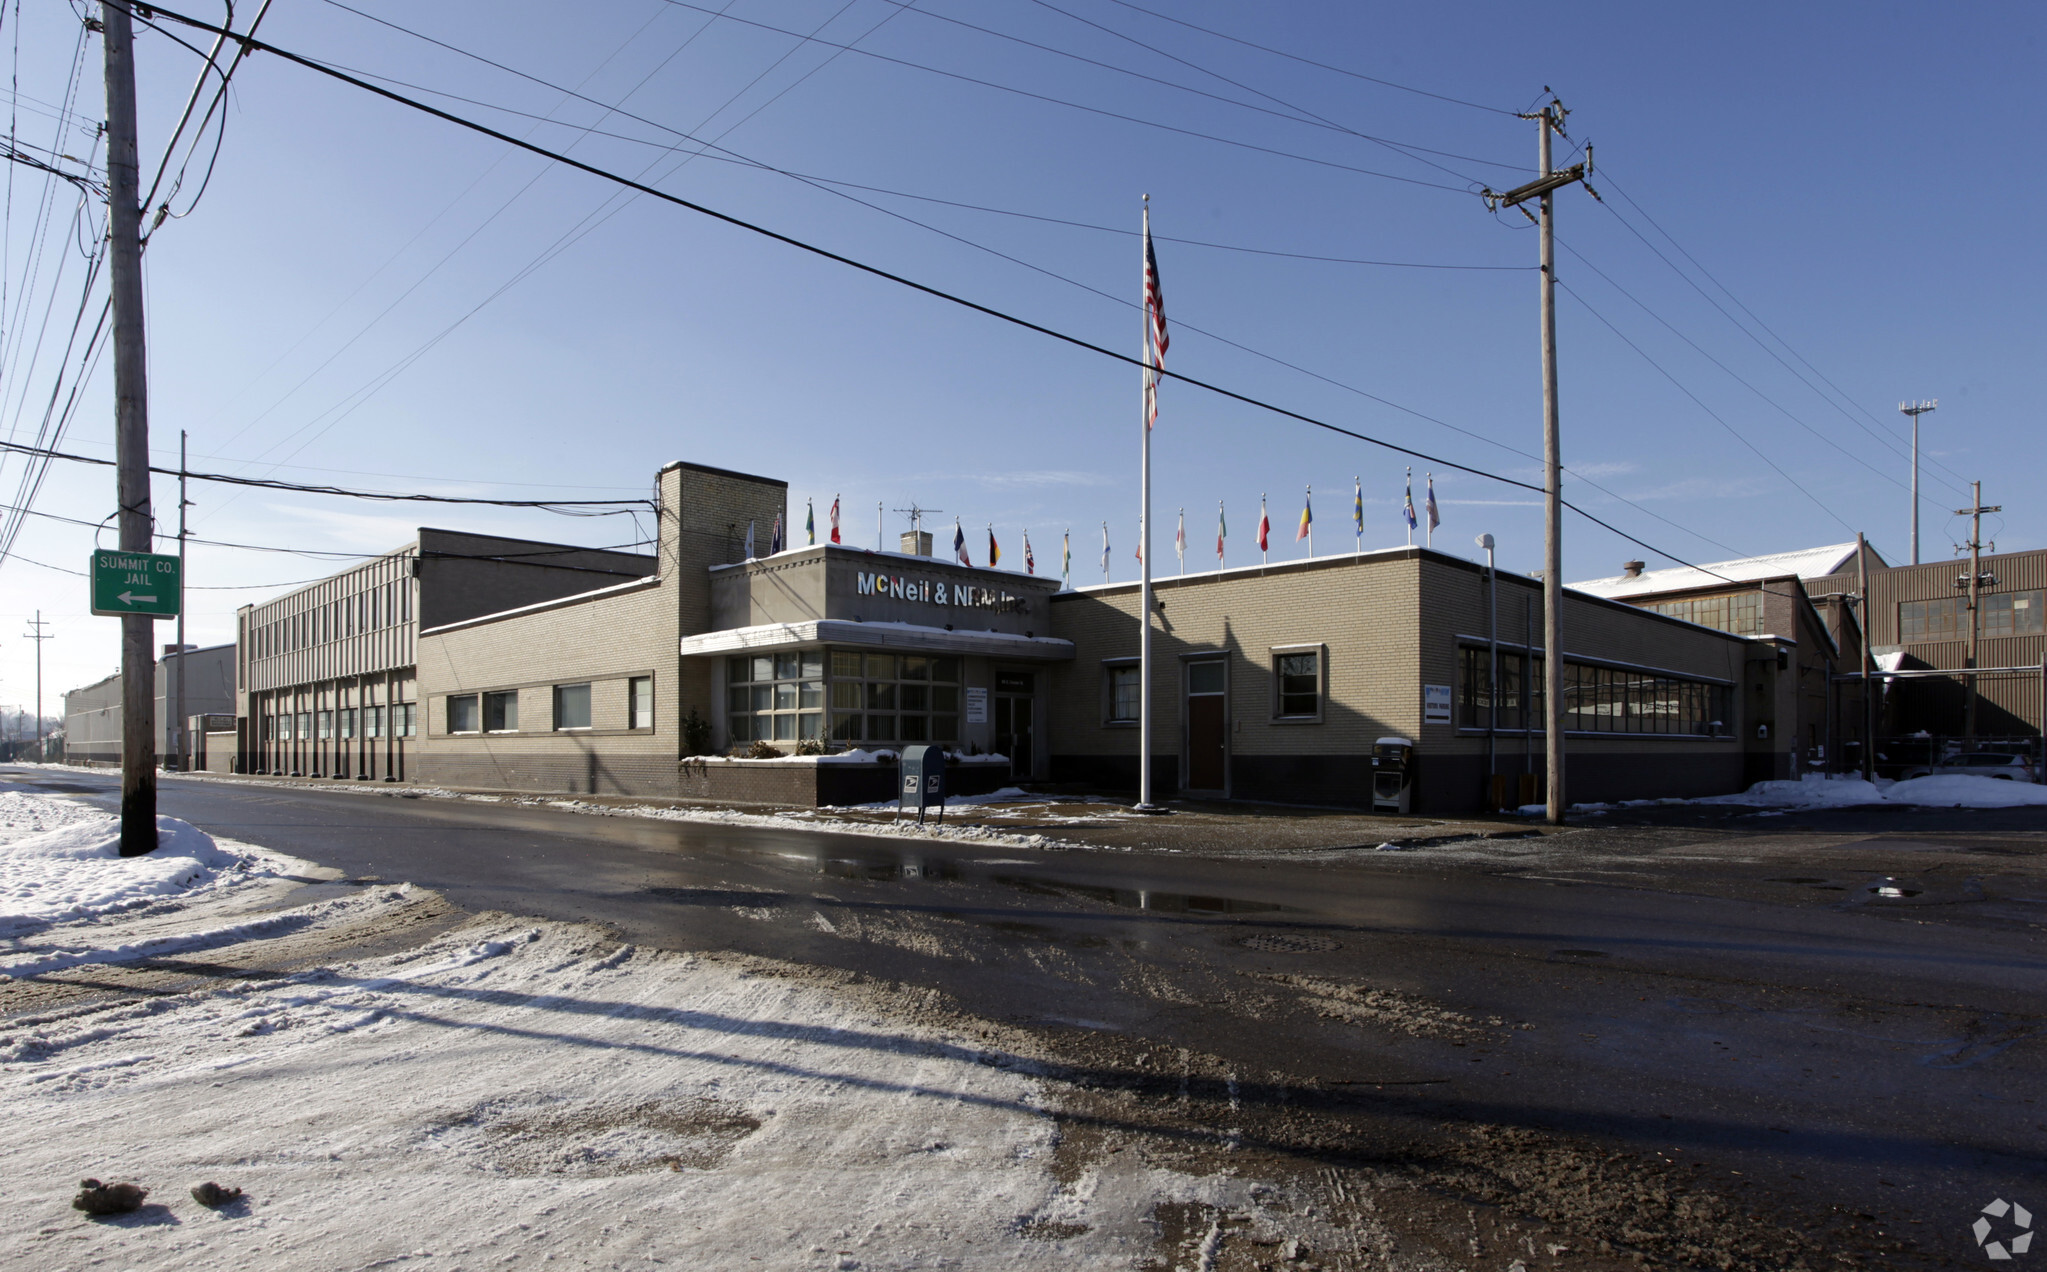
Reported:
(147, 584)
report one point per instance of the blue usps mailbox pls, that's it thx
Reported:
(921, 777)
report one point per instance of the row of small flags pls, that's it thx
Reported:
(1156, 343)
(1304, 531)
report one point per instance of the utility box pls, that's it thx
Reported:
(921, 780)
(1392, 775)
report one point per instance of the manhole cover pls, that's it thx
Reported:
(1290, 943)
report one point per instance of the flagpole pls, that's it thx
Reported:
(1409, 513)
(879, 541)
(1144, 540)
(1429, 536)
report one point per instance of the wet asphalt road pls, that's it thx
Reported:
(1880, 1063)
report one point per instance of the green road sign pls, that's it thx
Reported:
(126, 583)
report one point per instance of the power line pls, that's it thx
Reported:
(267, 483)
(353, 401)
(1298, 114)
(955, 75)
(1294, 57)
(1696, 401)
(876, 271)
(1722, 310)
(1730, 371)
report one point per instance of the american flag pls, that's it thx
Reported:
(1155, 339)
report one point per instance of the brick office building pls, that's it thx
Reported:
(618, 673)
(326, 676)
(1275, 682)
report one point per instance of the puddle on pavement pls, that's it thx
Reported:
(886, 866)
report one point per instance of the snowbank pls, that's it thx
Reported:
(68, 865)
(1957, 790)
(1966, 790)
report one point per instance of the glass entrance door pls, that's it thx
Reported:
(1014, 712)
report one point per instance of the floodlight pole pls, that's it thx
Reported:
(1915, 410)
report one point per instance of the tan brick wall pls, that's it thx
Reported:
(602, 640)
(1391, 623)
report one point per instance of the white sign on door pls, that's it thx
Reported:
(1435, 704)
(977, 706)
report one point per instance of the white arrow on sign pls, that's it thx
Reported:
(128, 599)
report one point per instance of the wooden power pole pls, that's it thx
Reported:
(1975, 515)
(1548, 120)
(131, 428)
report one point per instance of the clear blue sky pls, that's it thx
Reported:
(1860, 177)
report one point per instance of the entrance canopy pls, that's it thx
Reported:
(900, 637)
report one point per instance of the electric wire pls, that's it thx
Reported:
(610, 207)
(1710, 412)
(1730, 371)
(1406, 149)
(955, 75)
(886, 275)
(1722, 310)
(1295, 57)
(563, 506)
(1292, 114)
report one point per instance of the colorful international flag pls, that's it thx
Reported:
(1434, 520)
(1408, 510)
(1155, 340)
(1030, 558)
(1307, 516)
(1222, 531)
(1105, 552)
(1264, 526)
(994, 549)
(1357, 507)
(775, 537)
(1066, 559)
(1180, 541)
(835, 518)
(959, 544)
(810, 523)
(749, 540)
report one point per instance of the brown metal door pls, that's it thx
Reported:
(1207, 726)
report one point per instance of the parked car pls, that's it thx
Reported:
(2006, 766)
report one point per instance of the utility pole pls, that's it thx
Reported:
(1550, 119)
(1975, 515)
(1915, 410)
(179, 732)
(1868, 689)
(131, 427)
(38, 635)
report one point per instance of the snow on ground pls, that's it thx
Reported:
(1945, 790)
(60, 860)
(514, 1090)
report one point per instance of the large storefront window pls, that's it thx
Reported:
(775, 697)
(1596, 699)
(891, 698)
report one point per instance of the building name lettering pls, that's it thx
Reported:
(938, 592)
